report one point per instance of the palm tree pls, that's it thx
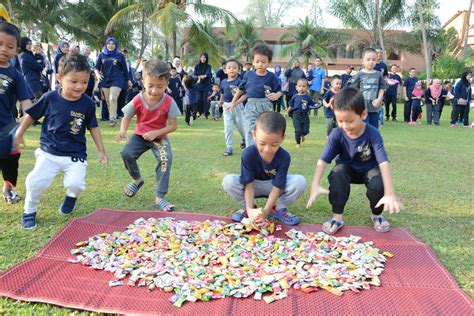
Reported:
(169, 15)
(245, 36)
(428, 62)
(308, 41)
(374, 16)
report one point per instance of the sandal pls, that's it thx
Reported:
(164, 206)
(332, 226)
(132, 188)
(11, 197)
(381, 225)
(284, 216)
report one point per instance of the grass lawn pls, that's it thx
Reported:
(433, 170)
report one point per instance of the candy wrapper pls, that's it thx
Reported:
(213, 259)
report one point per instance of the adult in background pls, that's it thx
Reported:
(393, 81)
(346, 77)
(112, 72)
(220, 74)
(293, 74)
(278, 104)
(63, 49)
(408, 87)
(380, 65)
(179, 68)
(203, 72)
(86, 51)
(48, 70)
(317, 79)
(31, 67)
(462, 99)
(433, 100)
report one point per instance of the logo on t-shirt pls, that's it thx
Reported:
(233, 89)
(271, 173)
(114, 61)
(4, 83)
(77, 122)
(267, 90)
(365, 152)
(304, 104)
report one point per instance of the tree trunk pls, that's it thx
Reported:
(426, 46)
(142, 39)
(379, 29)
(174, 42)
(467, 28)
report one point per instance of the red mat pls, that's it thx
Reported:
(414, 281)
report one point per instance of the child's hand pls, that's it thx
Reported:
(314, 194)
(120, 136)
(256, 215)
(390, 203)
(103, 159)
(289, 109)
(377, 103)
(273, 96)
(150, 136)
(19, 141)
(231, 106)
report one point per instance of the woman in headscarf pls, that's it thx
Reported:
(112, 72)
(179, 67)
(434, 101)
(31, 67)
(203, 72)
(462, 99)
(63, 49)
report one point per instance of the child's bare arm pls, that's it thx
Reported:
(25, 104)
(242, 99)
(26, 122)
(97, 137)
(316, 188)
(221, 100)
(123, 128)
(249, 194)
(274, 96)
(233, 103)
(171, 126)
(378, 102)
(271, 201)
(389, 200)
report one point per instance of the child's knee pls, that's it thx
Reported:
(76, 187)
(297, 184)
(375, 184)
(127, 154)
(230, 181)
(340, 172)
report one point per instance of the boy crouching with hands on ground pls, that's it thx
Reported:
(264, 173)
(362, 159)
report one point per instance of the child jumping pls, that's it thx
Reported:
(362, 159)
(156, 117)
(67, 113)
(328, 102)
(264, 173)
(14, 88)
(299, 105)
(261, 87)
(233, 116)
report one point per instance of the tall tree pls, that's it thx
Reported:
(245, 35)
(373, 16)
(426, 48)
(468, 28)
(170, 15)
(271, 12)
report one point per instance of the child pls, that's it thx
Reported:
(156, 117)
(13, 88)
(67, 113)
(299, 105)
(416, 103)
(175, 88)
(372, 85)
(228, 87)
(362, 159)
(264, 172)
(261, 87)
(328, 102)
(190, 98)
(346, 77)
(214, 99)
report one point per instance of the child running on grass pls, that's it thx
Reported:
(362, 159)
(264, 173)
(67, 113)
(299, 105)
(156, 117)
(328, 102)
(13, 88)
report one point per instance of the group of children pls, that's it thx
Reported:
(67, 113)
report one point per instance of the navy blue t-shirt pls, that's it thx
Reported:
(114, 70)
(221, 74)
(345, 79)
(361, 154)
(64, 125)
(409, 83)
(393, 80)
(229, 88)
(328, 112)
(301, 103)
(256, 86)
(382, 67)
(175, 85)
(215, 97)
(31, 68)
(254, 168)
(13, 87)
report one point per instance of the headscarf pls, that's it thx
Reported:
(179, 68)
(464, 78)
(436, 92)
(202, 67)
(61, 43)
(111, 53)
(23, 43)
(278, 73)
(417, 91)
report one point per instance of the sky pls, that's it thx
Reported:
(447, 9)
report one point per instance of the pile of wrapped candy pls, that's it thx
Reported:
(214, 259)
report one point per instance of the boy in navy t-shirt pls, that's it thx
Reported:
(264, 173)
(328, 102)
(408, 86)
(299, 105)
(175, 88)
(13, 87)
(362, 159)
(67, 113)
(261, 87)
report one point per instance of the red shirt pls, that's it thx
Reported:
(151, 120)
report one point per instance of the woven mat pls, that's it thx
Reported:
(414, 281)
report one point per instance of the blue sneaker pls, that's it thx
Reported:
(284, 216)
(67, 206)
(237, 216)
(28, 221)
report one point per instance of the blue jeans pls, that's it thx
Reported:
(373, 119)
